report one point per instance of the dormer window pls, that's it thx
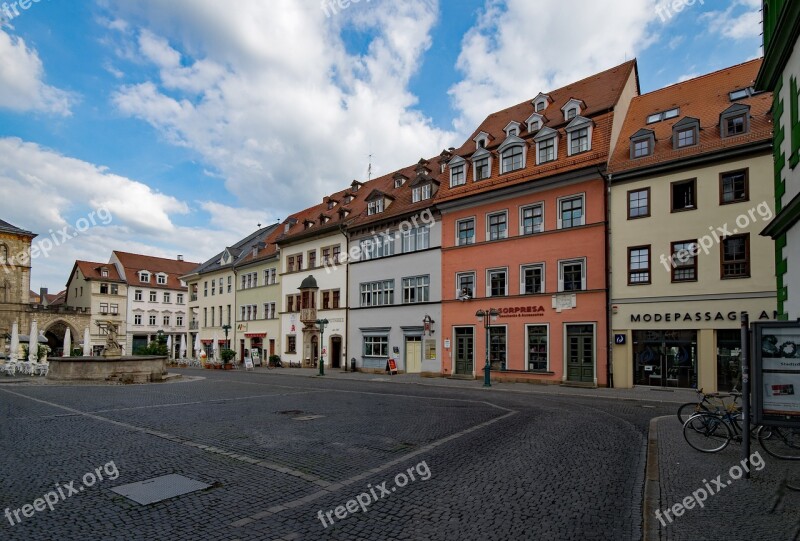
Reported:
(375, 207)
(323, 219)
(546, 145)
(686, 133)
(512, 129)
(348, 199)
(540, 106)
(735, 120)
(579, 135)
(535, 122)
(642, 144)
(144, 277)
(572, 113)
(421, 193)
(541, 102)
(331, 204)
(481, 140)
(308, 224)
(398, 183)
(458, 172)
(161, 279)
(104, 272)
(572, 109)
(482, 168)
(355, 186)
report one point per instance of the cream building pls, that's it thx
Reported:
(690, 191)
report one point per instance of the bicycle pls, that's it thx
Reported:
(780, 442)
(711, 432)
(705, 404)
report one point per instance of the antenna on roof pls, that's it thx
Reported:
(258, 225)
(369, 169)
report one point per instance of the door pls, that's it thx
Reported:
(336, 351)
(580, 353)
(413, 354)
(465, 351)
(665, 358)
(271, 347)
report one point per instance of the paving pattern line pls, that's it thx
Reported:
(335, 487)
(183, 441)
(652, 484)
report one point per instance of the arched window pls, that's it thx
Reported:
(512, 159)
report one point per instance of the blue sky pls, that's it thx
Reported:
(192, 121)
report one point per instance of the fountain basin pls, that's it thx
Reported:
(124, 369)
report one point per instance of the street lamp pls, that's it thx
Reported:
(486, 317)
(321, 325)
(226, 328)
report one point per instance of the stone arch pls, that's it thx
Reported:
(55, 330)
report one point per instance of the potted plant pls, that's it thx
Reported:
(275, 360)
(227, 355)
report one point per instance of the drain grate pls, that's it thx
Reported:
(159, 489)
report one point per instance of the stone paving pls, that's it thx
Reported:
(513, 462)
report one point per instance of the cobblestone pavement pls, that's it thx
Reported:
(277, 450)
(746, 510)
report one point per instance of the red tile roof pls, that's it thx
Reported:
(133, 263)
(703, 98)
(91, 271)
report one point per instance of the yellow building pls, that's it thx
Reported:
(690, 190)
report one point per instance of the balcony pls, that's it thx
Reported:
(308, 315)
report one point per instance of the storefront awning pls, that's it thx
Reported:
(206, 341)
(255, 335)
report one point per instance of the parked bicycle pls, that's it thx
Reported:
(780, 442)
(711, 432)
(708, 403)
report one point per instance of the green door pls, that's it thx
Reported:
(465, 349)
(580, 353)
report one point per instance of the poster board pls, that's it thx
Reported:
(776, 373)
(248, 363)
(391, 366)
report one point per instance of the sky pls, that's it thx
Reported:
(168, 127)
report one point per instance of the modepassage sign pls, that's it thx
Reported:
(776, 382)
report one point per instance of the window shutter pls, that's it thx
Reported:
(560, 276)
(583, 274)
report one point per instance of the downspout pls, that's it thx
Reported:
(607, 241)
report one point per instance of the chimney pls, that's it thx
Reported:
(180, 257)
(43, 296)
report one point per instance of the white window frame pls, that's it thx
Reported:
(460, 169)
(560, 200)
(179, 298)
(539, 145)
(420, 286)
(421, 193)
(474, 231)
(525, 351)
(489, 215)
(382, 342)
(152, 320)
(161, 279)
(416, 239)
(137, 319)
(526, 266)
(563, 263)
(510, 148)
(474, 276)
(375, 207)
(144, 277)
(153, 296)
(522, 210)
(573, 133)
(138, 295)
(488, 158)
(167, 298)
(379, 293)
(489, 273)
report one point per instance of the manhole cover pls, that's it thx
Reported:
(159, 489)
(307, 417)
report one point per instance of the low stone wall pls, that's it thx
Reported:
(139, 369)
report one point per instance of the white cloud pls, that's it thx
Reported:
(269, 97)
(22, 87)
(741, 20)
(515, 51)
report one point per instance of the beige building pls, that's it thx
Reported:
(690, 191)
(258, 302)
(99, 289)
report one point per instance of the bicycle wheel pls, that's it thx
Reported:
(780, 442)
(689, 409)
(707, 433)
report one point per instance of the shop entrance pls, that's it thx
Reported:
(465, 351)
(665, 358)
(413, 354)
(580, 351)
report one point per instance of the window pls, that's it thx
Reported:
(547, 150)
(114, 308)
(376, 346)
(684, 261)
(743, 93)
(686, 137)
(330, 299)
(213, 287)
(418, 238)
(271, 275)
(179, 298)
(579, 141)
(378, 246)
(298, 260)
(531, 279)
(291, 343)
(152, 320)
(398, 182)
(540, 106)
(512, 159)
(497, 347)
(537, 348)
(466, 232)
(532, 219)
(205, 289)
(230, 283)
(736, 256)
(4, 253)
(228, 312)
(137, 319)
(269, 310)
(571, 113)
(336, 299)
(161, 279)
(137, 295)
(144, 277)
(421, 193)
(213, 319)
(290, 264)
(179, 321)
(497, 282)
(153, 296)
(205, 317)
(326, 300)
(496, 226)
(734, 187)
(416, 289)
(103, 307)
(312, 263)
(375, 207)
(104, 289)
(572, 275)
(684, 195)
(666, 115)
(242, 313)
(457, 175)
(482, 169)
(337, 254)
(638, 203)
(735, 125)
(641, 148)
(167, 298)
(377, 293)
(114, 289)
(570, 212)
(465, 285)
(639, 265)
(166, 321)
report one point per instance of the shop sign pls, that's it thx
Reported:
(776, 378)
(521, 311)
(678, 317)
(241, 327)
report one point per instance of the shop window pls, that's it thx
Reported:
(729, 352)
(537, 348)
(497, 347)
